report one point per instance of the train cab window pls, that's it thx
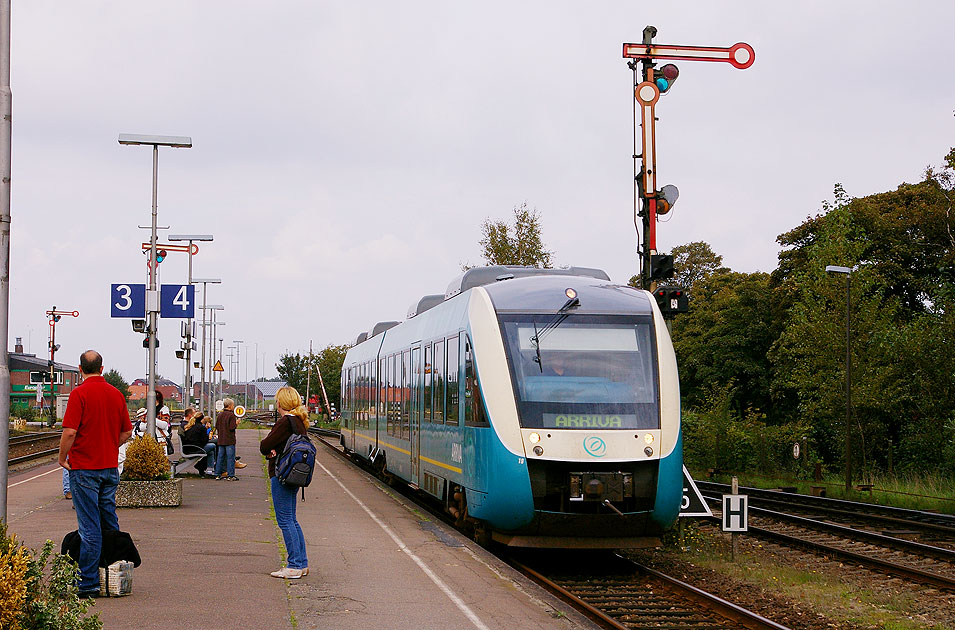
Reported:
(438, 382)
(428, 380)
(405, 430)
(451, 398)
(473, 400)
(587, 372)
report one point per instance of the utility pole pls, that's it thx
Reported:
(6, 133)
(308, 373)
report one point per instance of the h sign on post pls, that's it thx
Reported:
(177, 300)
(735, 512)
(127, 300)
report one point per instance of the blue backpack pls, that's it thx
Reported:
(296, 463)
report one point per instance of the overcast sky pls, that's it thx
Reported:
(346, 153)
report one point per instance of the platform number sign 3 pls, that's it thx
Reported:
(127, 300)
(177, 300)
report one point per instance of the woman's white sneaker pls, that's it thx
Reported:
(291, 574)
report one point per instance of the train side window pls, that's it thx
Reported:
(438, 382)
(473, 400)
(451, 398)
(405, 431)
(382, 391)
(428, 380)
(390, 396)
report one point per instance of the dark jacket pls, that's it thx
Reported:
(116, 546)
(278, 436)
(226, 422)
(196, 435)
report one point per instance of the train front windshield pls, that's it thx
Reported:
(583, 372)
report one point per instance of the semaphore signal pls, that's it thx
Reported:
(650, 83)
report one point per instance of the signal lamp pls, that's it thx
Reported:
(648, 438)
(570, 293)
(534, 437)
(160, 255)
(666, 198)
(666, 77)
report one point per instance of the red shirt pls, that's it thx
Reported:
(98, 412)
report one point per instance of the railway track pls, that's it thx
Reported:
(617, 593)
(33, 446)
(901, 557)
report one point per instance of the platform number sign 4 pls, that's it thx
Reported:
(127, 300)
(177, 300)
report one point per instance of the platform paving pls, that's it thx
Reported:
(375, 560)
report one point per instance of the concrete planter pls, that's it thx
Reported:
(164, 493)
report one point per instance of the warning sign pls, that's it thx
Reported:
(218, 367)
(693, 502)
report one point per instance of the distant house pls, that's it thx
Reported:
(169, 390)
(29, 372)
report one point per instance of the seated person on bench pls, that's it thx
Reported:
(196, 434)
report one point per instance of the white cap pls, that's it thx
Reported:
(164, 410)
(141, 412)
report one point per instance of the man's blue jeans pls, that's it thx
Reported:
(283, 500)
(225, 459)
(94, 497)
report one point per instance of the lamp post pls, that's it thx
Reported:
(202, 373)
(848, 273)
(187, 379)
(152, 296)
(238, 364)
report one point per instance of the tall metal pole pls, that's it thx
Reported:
(153, 320)
(186, 383)
(848, 388)
(6, 131)
(308, 372)
(202, 373)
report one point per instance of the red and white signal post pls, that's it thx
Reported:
(54, 316)
(649, 84)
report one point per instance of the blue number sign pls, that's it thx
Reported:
(177, 300)
(127, 300)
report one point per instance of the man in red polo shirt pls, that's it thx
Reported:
(95, 424)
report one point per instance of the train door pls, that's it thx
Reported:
(416, 387)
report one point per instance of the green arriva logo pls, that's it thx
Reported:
(591, 421)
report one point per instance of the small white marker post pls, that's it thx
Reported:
(735, 548)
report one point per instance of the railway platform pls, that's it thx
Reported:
(374, 559)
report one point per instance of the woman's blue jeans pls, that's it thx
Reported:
(225, 459)
(94, 497)
(283, 500)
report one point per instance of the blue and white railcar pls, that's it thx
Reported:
(540, 406)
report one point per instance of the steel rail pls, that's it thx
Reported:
(34, 437)
(26, 458)
(849, 508)
(708, 601)
(892, 568)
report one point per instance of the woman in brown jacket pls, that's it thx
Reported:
(294, 419)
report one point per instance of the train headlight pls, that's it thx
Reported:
(648, 438)
(534, 437)
(570, 293)
(538, 450)
(649, 451)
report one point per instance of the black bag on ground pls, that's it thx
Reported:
(116, 546)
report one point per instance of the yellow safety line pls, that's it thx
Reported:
(401, 450)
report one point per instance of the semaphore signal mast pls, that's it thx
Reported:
(649, 83)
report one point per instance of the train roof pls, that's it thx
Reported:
(480, 276)
(425, 303)
(548, 294)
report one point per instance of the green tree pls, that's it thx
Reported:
(517, 244)
(114, 378)
(693, 262)
(294, 368)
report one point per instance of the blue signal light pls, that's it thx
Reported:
(663, 85)
(666, 76)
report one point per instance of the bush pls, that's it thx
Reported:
(145, 460)
(34, 596)
(24, 411)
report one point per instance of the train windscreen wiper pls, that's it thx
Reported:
(562, 313)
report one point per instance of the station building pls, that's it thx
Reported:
(29, 372)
